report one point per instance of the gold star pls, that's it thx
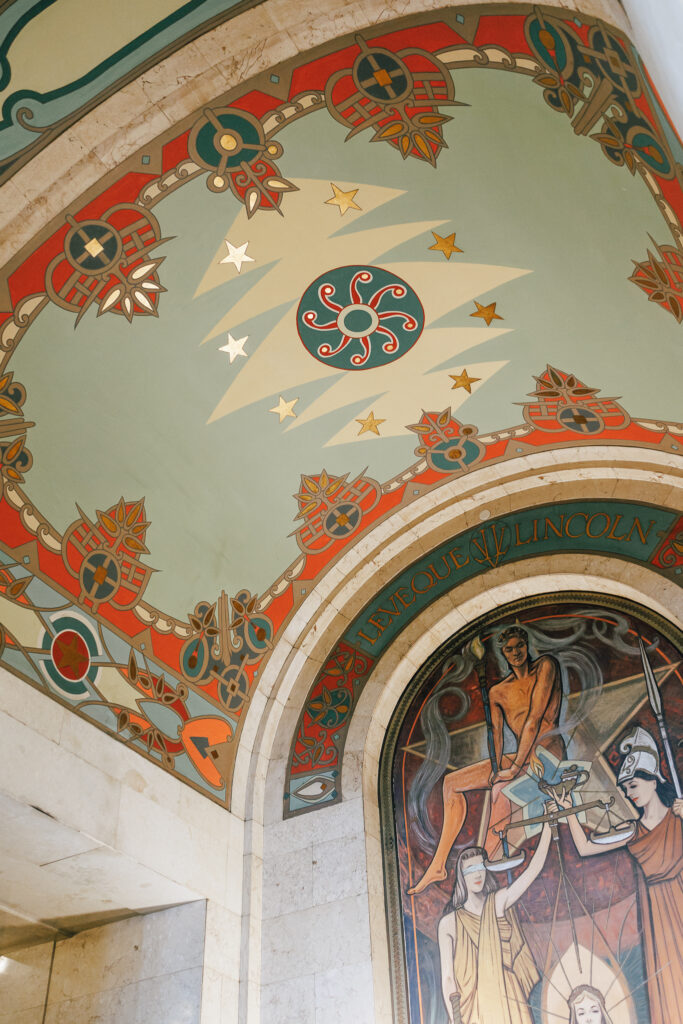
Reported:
(487, 313)
(463, 380)
(445, 245)
(344, 200)
(370, 424)
(285, 409)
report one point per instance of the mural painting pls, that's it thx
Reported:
(535, 851)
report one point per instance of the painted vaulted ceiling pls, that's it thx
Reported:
(50, 77)
(446, 242)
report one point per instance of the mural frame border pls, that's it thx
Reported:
(386, 803)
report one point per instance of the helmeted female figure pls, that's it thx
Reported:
(656, 846)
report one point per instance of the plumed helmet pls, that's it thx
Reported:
(641, 756)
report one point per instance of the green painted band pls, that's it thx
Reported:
(627, 530)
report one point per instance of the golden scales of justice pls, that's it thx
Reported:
(617, 831)
(571, 779)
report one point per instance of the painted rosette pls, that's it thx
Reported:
(357, 318)
(68, 652)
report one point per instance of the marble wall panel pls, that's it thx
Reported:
(23, 983)
(315, 955)
(145, 969)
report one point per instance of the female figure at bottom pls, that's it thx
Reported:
(587, 1006)
(487, 969)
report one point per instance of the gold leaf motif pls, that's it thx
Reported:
(547, 81)
(134, 513)
(135, 545)
(432, 119)
(433, 136)
(9, 405)
(17, 588)
(390, 131)
(14, 449)
(423, 147)
(107, 523)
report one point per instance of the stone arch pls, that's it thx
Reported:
(260, 771)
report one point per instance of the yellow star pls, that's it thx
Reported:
(487, 313)
(370, 424)
(285, 409)
(445, 245)
(344, 200)
(463, 380)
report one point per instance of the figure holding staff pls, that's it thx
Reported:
(528, 700)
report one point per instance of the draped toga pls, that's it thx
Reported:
(659, 855)
(494, 968)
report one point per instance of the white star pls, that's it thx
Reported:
(235, 346)
(285, 409)
(237, 254)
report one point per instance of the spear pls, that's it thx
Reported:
(655, 698)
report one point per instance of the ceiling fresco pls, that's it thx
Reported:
(47, 81)
(303, 307)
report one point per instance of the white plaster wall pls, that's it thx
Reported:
(130, 835)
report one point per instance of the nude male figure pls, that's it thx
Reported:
(528, 700)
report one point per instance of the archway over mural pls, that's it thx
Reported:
(525, 757)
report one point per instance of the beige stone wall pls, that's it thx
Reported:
(145, 970)
(91, 828)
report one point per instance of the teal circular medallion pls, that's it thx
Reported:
(226, 139)
(357, 318)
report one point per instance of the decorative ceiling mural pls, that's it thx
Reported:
(301, 309)
(49, 78)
